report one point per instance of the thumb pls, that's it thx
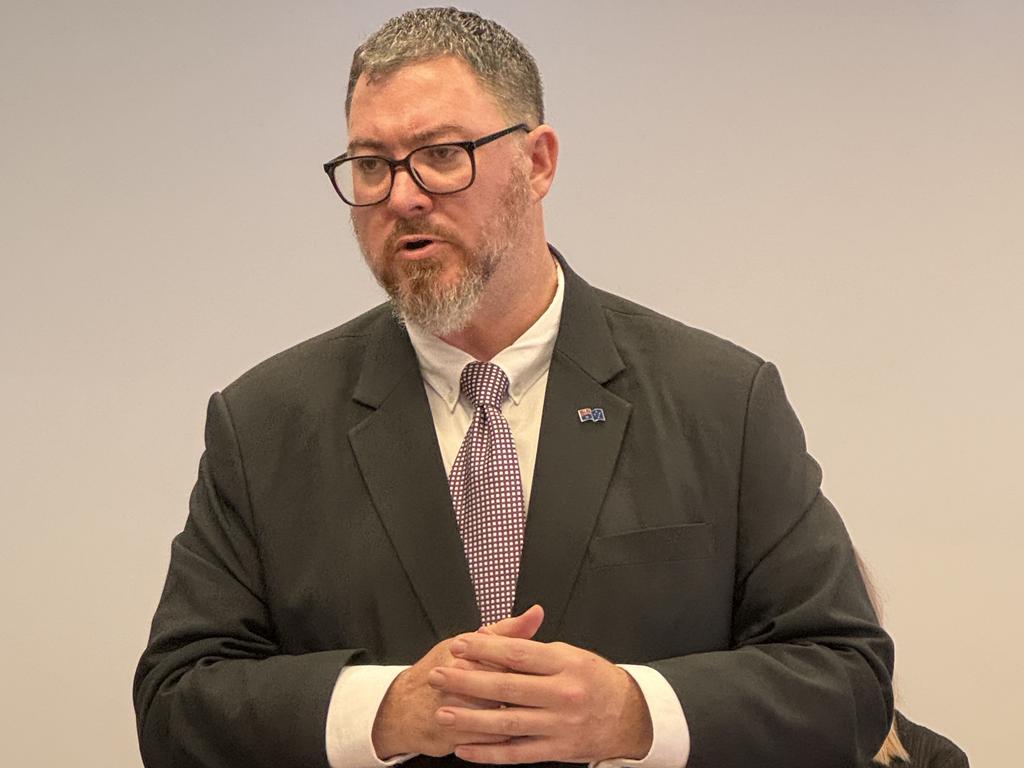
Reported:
(524, 626)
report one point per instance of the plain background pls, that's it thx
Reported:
(838, 186)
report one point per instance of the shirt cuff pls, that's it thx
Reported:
(670, 747)
(355, 700)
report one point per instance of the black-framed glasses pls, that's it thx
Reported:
(438, 169)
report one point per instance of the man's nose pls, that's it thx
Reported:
(407, 199)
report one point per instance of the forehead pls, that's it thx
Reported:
(418, 98)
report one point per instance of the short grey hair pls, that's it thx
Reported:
(505, 68)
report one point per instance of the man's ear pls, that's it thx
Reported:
(542, 147)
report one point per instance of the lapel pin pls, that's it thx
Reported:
(591, 414)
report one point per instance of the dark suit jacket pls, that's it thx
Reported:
(687, 532)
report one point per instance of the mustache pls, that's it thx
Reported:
(406, 227)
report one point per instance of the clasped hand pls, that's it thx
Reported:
(497, 696)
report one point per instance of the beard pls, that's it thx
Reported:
(418, 293)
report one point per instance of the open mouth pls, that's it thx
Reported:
(416, 245)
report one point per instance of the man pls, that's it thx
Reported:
(624, 502)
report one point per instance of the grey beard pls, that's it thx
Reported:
(440, 311)
(443, 311)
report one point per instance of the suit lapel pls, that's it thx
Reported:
(575, 459)
(396, 449)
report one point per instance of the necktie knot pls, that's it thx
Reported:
(484, 384)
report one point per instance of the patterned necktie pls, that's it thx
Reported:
(487, 494)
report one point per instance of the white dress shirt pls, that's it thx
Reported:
(360, 689)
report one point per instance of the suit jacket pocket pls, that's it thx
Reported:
(689, 541)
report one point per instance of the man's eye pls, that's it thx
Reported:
(442, 154)
(368, 165)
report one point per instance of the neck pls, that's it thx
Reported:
(516, 296)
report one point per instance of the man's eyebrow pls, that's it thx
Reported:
(417, 139)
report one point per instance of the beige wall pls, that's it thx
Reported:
(835, 185)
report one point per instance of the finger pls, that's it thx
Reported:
(473, 665)
(526, 750)
(506, 687)
(455, 700)
(459, 737)
(524, 626)
(511, 653)
(508, 722)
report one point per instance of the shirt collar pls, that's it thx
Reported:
(524, 361)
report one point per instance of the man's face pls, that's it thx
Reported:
(435, 254)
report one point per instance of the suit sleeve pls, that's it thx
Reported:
(213, 688)
(807, 681)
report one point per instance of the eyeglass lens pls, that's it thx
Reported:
(441, 169)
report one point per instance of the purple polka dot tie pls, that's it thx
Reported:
(487, 494)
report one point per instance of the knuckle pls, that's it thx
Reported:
(576, 719)
(507, 689)
(581, 660)
(575, 695)
(519, 752)
(517, 654)
(511, 725)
